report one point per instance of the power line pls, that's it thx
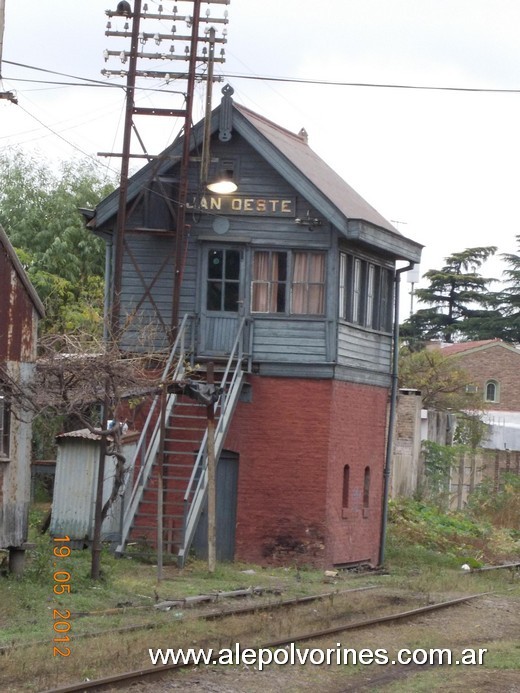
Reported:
(329, 83)
(268, 78)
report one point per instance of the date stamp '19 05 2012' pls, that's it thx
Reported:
(61, 617)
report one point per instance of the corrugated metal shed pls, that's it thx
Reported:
(75, 487)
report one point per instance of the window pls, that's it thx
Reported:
(365, 293)
(346, 485)
(492, 391)
(288, 282)
(308, 284)
(366, 488)
(5, 426)
(269, 288)
(223, 280)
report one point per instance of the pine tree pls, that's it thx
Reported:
(461, 303)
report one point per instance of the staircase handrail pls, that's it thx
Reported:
(226, 402)
(148, 451)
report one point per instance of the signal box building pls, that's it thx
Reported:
(289, 283)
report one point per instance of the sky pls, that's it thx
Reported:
(442, 164)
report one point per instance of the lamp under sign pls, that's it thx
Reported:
(223, 183)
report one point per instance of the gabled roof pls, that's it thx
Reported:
(465, 347)
(290, 155)
(22, 275)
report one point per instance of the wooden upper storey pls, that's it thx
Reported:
(295, 250)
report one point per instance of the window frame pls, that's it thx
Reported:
(496, 385)
(365, 292)
(290, 283)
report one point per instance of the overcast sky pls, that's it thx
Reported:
(444, 166)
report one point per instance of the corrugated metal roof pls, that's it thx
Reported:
(298, 152)
(302, 163)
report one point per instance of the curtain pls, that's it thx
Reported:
(308, 283)
(260, 298)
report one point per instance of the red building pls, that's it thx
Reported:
(290, 281)
(20, 310)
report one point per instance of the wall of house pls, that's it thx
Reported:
(18, 317)
(15, 472)
(294, 439)
(357, 438)
(495, 363)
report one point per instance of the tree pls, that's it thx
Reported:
(459, 298)
(444, 385)
(39, 210)
(509, 299)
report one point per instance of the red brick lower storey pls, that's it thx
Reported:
(310, 471)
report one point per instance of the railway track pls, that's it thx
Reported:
(160, 671)
(212, 615)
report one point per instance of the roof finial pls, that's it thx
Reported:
(304, 135)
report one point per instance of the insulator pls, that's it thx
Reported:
(123, 73)
(226, 14)
(109, 25)
(172, 49)
(189, 22)
(160, 9)
(123, 57)
(157, 39)
(167, 77)
(204, 51)
(208, 12)
(106, 55)
(222, 53)
(145, 7)
(174, 29)
(175, 9)
(187, 50)
(127, 26)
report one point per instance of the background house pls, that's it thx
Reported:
(290, 282)
(20, 310)
(494, 367)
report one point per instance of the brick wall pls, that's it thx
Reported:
(294, 439)
(357, 438)
(498, 363)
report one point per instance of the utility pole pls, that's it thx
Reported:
(212, 485)
(9, 95)
(198, 69)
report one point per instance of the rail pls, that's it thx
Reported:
(196, 491)
(148, 445)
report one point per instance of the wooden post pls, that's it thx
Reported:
(160, 487)
(95, 566)
(212, 495)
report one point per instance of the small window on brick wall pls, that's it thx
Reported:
(492, 391)
(346, 485)
(366, 488)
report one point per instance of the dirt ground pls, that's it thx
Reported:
(490, 622)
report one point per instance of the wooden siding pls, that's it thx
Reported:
(303, 341)
(148, 317)
(297, 343)
(363, 349)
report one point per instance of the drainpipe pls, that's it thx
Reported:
(393, 407)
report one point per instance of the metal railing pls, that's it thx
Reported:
(148, 444)
(196, 492)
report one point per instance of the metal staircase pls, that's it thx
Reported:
(170, 488)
